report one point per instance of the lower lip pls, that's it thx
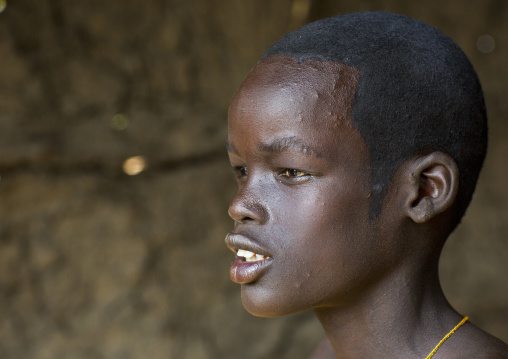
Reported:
(243, 272)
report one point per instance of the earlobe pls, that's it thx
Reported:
(434, 182)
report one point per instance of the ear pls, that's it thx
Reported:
(433, 183)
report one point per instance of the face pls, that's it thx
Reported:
(302, 234)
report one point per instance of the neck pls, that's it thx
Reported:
(402, 316)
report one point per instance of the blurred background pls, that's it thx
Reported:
(115, 182)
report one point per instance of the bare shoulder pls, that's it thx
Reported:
(323, 351)
(475, 343)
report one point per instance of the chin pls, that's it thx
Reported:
(266, 305)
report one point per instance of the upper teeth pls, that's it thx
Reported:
(250, 256)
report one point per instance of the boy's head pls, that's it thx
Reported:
(417, 92)
(341, 132)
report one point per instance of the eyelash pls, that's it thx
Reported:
(288, 173)
(293, 173)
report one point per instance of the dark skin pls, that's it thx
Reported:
(303, 206)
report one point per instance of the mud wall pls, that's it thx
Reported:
(95, 263)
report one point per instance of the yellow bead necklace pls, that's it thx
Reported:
(446, 337)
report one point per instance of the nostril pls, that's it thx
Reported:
(243, 212)
(239, 214)
(246, 219)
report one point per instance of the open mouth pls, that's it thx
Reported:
(251, 256)
(248, 266)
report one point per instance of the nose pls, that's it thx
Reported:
(247, 206)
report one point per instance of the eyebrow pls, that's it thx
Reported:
(292, 143)
(280, 145)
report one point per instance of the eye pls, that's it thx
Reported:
(292, 173)
(292, 176)
(240, 171)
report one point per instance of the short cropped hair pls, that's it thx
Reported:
(417, 93)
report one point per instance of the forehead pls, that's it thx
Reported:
(281, 82)
(308, 102)
(311, 79)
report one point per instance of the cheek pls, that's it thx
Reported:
(328, 222)
(331, 208)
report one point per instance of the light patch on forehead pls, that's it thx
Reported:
(291, 143)
(282, 85)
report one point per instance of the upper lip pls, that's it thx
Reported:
(236, 241)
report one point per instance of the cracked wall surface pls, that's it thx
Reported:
(98, 264)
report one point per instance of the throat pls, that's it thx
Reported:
(391, 321)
